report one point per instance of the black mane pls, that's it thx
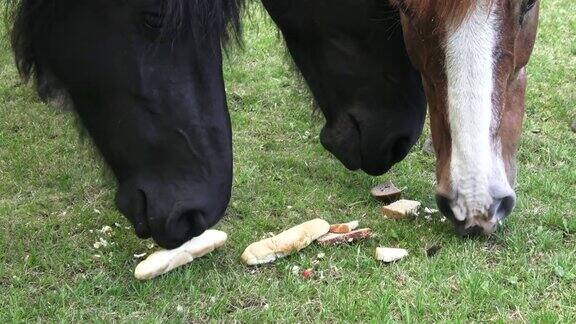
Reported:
(29, 19)
(207, 18)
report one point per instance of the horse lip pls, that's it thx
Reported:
(376, 171)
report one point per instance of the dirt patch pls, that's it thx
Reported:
(250, 302)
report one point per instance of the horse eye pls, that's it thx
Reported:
(153, 20)
(527, 6)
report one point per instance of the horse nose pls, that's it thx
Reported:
(180, 226)
(480, 223)
(169, 223)
(380, 154)
(342, 138)
(400, 148)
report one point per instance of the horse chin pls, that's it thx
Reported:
(376, 171)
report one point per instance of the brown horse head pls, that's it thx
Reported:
(472, 55)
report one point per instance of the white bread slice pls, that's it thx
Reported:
(402, 209)
(163, 261)
(390, 254)
(285, 243)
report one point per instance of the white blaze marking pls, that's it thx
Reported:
(469, 69)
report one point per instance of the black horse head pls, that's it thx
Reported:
(145, 79)
(352, 55)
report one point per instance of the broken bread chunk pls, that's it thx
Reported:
(344, 228)
(285, 243)
(340, 238)
(163, 261)
(390, 254)
(402, 209)
(386, 192)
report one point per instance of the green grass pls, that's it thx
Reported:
(55, 195)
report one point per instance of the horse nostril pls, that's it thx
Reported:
(400, 149)
(443, 204)
(134, 205)
(461, 228)
(502, 207)
(181, 226)
(141, 226)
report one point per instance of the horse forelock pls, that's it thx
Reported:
(218, 19)
(28, 20)
(451, 12)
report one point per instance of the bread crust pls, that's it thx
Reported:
(285, 243)
(163, 261)
(344, 227)
(341, 238)
(386, 192)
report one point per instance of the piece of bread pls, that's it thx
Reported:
(390, 254)
(402, 209)
(285, 243)
(163, 261)
(340, 238)
(386, 192)
(344, 228)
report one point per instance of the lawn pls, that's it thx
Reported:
(55, 196)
